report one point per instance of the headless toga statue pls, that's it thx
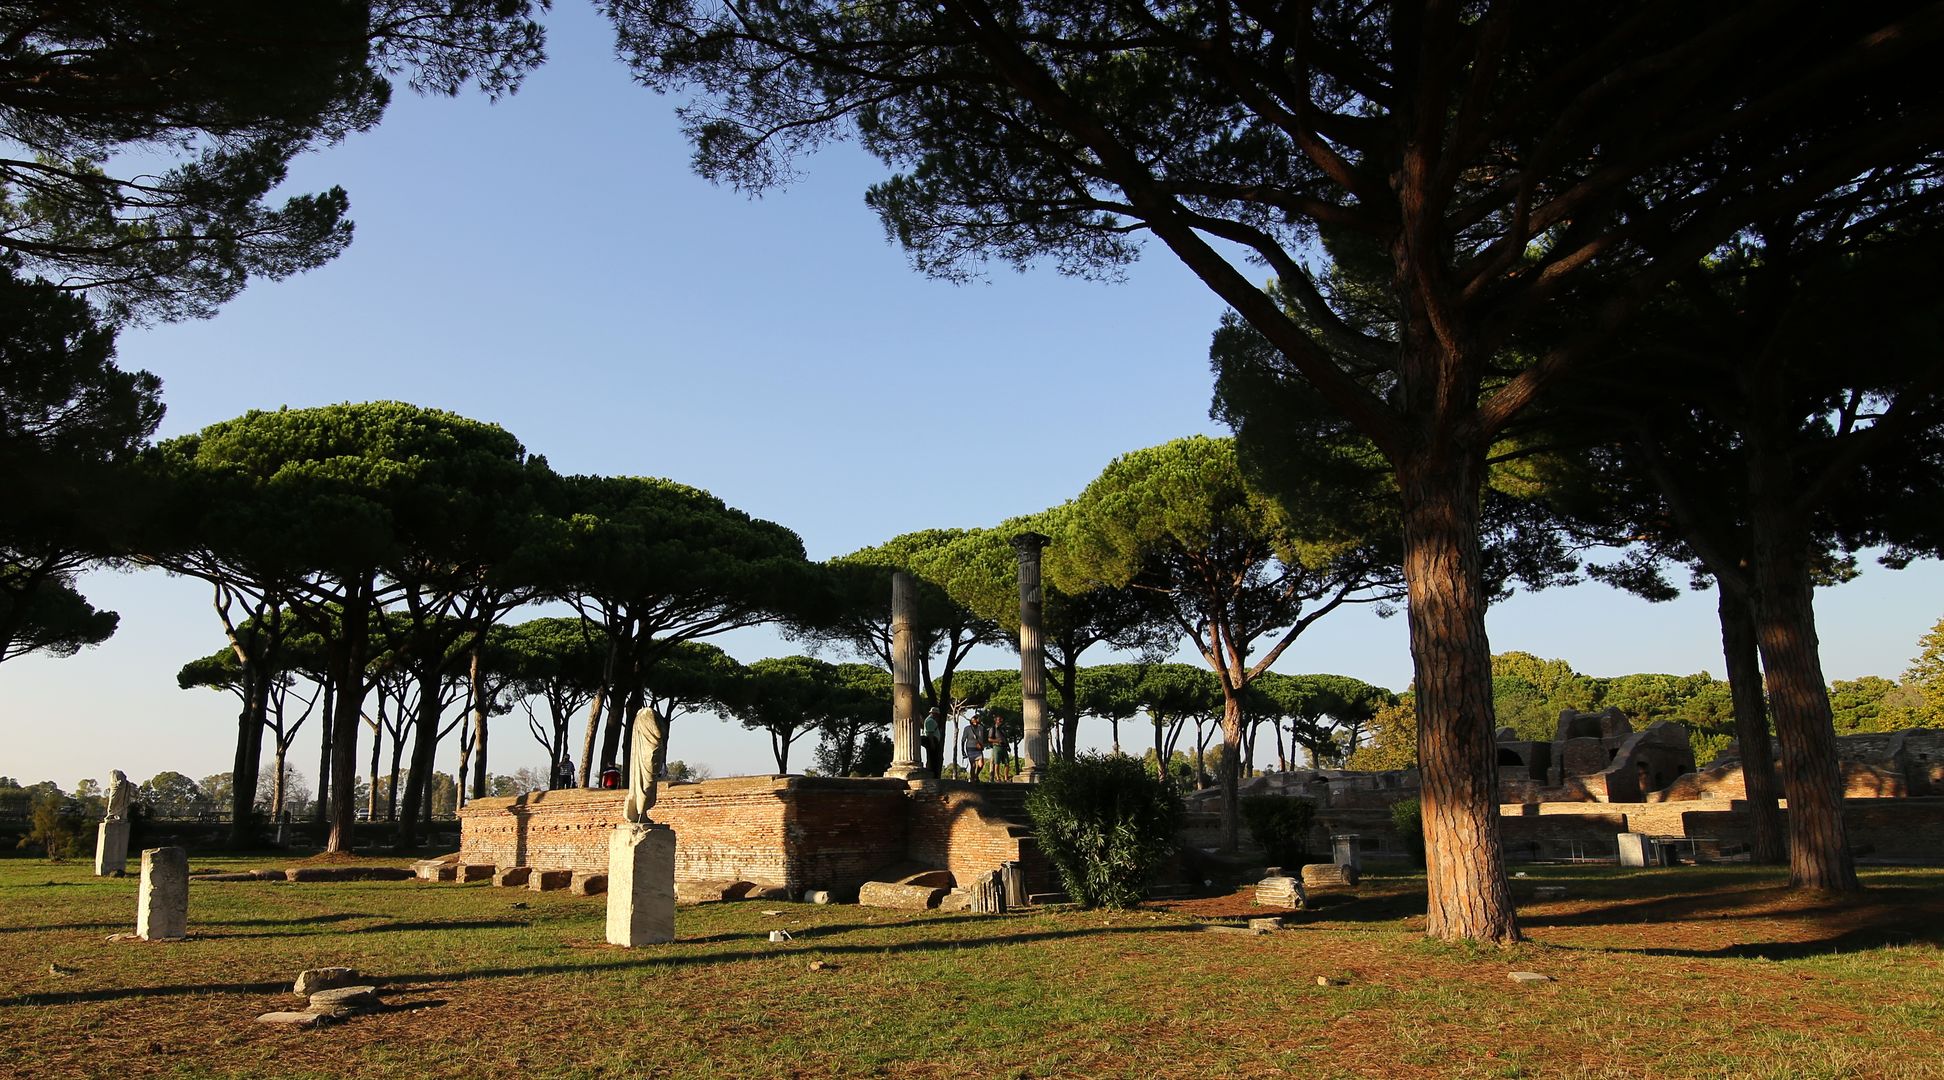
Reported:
(120, 793)
(641, 770)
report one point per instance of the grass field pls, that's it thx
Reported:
(1677, 972)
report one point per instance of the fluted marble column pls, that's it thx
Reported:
(906, 761)
(1032, 658)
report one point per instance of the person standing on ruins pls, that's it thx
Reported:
(972, 745)
(932, 738)
(996, 738)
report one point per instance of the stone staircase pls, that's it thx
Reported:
(1007, 802)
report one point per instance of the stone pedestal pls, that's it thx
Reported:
(641, 885)
(1012, 878)
(1343, 851)
(162, 913)
(111, 849)
(1639, 849)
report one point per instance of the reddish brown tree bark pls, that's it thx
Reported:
(1469, 896)
(1742, 656)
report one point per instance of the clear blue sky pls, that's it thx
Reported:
(551, 264)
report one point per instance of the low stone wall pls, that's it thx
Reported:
(796, 832)
(1887, 830)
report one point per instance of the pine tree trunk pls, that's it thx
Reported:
(475, 687)
(249, 752)
(613, 745)
(281, 782)
(1742, 657)
(404, 824)
(425, 748)
(1785, 629)
(354, 622)
(587, 744)
(377, 743)
(1451, 657)
(1070, 708)
(321, 812)
(1231, 765)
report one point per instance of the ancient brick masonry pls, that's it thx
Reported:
(795, 832)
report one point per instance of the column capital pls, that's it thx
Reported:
(1029, 543)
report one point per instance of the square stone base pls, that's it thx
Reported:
(162, 913)
(111, 849)
(641, 885)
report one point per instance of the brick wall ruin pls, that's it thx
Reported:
(797, 832)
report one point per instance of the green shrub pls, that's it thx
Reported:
(55, 834)
(1281, 826)
(1408, 818)
(1106, 825)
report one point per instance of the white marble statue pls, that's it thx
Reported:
(120, 793)
(641, 753)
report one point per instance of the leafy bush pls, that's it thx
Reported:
(1106, 825)
(1281, 827)
(1408, 818)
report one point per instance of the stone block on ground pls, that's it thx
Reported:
(710, 892)
(315, 980)
(1273, 922)
(767, 892)
(436, 870)
(585, 883)
(641, 885)
(1282, 892)
(1223, 928)
(904, 897)
(1329, 875)
(162, 911)
(510, 876)
(470, 872)
(348, 873)
(1529, 977)
(956, 900)
(549, 880)
(293, 1019)
(817, 896)
(345, 997)
(1549, 892)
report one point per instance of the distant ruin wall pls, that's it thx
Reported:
(793, 831)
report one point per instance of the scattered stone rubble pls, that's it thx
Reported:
(331, 993)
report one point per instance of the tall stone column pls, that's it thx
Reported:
(1032, 657)
(906, 762)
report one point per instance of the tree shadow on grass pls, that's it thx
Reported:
(1863, 939)
(377, 928)
(621, 960)
(307, 920)
(69, 926)
(1764, 903)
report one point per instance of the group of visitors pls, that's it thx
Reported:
(983, 740)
